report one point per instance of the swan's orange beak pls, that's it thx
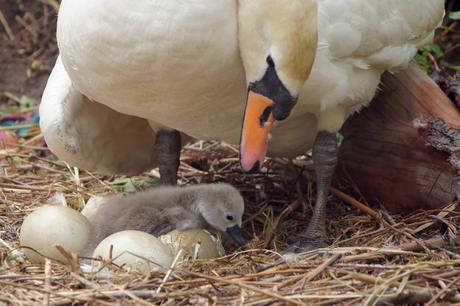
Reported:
(258, 119)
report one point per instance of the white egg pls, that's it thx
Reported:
(49, 226)
(195, 243)
(150, 251)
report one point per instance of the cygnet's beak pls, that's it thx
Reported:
(237, 234)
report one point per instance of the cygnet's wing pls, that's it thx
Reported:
(90, 135)
(163, 229)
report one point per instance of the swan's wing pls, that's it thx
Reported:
(90, 135)
(384, 34)
(163, 229)
(357, 41)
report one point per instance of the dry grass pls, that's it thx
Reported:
(371, 262)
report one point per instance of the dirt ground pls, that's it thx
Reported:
(27, 57)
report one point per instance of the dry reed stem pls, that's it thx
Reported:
(6, 25)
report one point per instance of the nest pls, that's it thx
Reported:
(375, 259)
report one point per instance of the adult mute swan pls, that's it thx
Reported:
(131, 76)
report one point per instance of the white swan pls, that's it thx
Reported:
(131, 70)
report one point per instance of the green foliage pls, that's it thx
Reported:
(128, 185)
(204, 144)
(339, 137)
(454, 15)
(11, 110)
(27, 102)
(5, 266)
(421, 58)
(17, 160)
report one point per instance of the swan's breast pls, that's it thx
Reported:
(160, 60)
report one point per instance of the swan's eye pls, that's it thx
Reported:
(270, 61)
(229, 218)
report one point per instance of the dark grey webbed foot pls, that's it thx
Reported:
(308, 243)
(325, 159)
(167, 147)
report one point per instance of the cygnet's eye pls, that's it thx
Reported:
(229, 217)
(270, 61)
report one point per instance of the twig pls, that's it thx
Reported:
(338, 193)
(76, 298)
(165, 279)
(26, 26)
(118, 294)
(12, 96)
(24, 30)
(6, 26)
(311, 275)
(279, 220)
(22, 187)
(46, 295)
(443, 291)
(17, 127)
(446, 210)
(249, 287)
(72, 259)
(33, 139)
(27, 147)
(448, 51)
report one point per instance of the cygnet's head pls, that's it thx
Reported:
(222, 207)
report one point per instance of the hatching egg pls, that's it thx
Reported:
(145, 251)
(95, 204)
(195, 243)
(49, 226)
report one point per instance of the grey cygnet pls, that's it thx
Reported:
(160, 210)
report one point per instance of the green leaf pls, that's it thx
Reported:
(12, 110)
(339, 137)
(436, 49)
(17, 160)
(421, 61)
(128, 185)
(27, 102)
(204, 144)
(5, 266)
(431, 48)
(454, 15)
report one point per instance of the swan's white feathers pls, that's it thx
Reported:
(358, 40)
(85, 133)
(163, 51)
(177, 64)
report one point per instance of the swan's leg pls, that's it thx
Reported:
(325, 159)
(167, 148)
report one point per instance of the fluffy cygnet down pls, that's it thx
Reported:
(160, 210)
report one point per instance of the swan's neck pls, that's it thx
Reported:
(286, 30)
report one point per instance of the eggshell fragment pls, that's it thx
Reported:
(195, 243)
(95, 204)
(150, 251)
(49, 226)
